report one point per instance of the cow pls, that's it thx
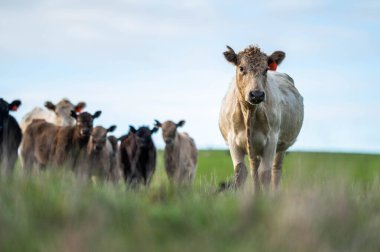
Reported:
(138, 156)
(99, 159)
(113, 149)
(47, 144)
(10, 136)
(180, 154)
(261, 116)
(58, 114)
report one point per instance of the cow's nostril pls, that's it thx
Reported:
(256, 94)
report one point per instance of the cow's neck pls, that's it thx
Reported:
(81, 141)
(172, 151)
(256, 121)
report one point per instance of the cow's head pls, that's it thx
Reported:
(251, 71)
(5, 107)
(98, 138)
(63, 111)
(169, 130)
(143, 135)
(84, 122)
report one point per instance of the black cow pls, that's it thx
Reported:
(10, 135)
(138, 155)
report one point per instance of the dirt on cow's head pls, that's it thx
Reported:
(143, 135)
(169, 130)
(84, 122)
(63, 111)
(251, 71)
(98, 139)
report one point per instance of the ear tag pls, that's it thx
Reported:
(272, 66)
(14, 108)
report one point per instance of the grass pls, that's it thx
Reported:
(328, 202)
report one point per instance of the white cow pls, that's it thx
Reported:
(58, 114)
(261, 115)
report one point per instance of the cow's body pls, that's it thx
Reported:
(10, 136)
(47, 144)
(38, 143)
(263, 128)
(138, 156)
(98, 160)
(180, 153)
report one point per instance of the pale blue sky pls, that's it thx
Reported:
(143, 60)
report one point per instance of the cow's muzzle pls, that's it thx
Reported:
(169, 141)
(85, 132)
(255, 97)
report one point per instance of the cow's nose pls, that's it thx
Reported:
(256, 97)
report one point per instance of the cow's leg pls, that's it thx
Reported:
(254, 163)
(240, 169)
(277, 169)
(265, 167)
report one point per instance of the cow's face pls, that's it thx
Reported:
(143, 135)
(84, 122)
(5, 107)
(169, 130)
(251, 72)
(63, 111)
(99, 138)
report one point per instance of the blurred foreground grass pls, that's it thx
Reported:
(328, 202)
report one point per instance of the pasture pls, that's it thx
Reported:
(327, 202)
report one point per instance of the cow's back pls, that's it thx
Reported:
(35, 114)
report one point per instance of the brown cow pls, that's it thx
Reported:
(99, 159)
(180, 152)
(261, 115)
(47, 144)
(138, 155)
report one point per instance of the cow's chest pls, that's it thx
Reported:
(257, 139)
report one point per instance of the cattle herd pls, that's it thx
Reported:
(261, 116)
(63, 137)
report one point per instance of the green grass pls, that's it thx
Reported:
(327, 202)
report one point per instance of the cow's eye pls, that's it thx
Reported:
(241, 69)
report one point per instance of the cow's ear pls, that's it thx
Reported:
(112, 128)
(80, 106)
(231, 56)
(181, 123)
(275, 59)
(14, 105)
(157, 124)
(154, 130)
(73, 114)
(132, 129)
(97, 114)
(49, 105)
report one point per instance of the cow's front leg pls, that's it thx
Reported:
(266, 163)
(240, 169)
(277, 169)
(254, 163)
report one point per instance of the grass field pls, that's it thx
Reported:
(327, 202)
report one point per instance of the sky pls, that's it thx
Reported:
(140, 60)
